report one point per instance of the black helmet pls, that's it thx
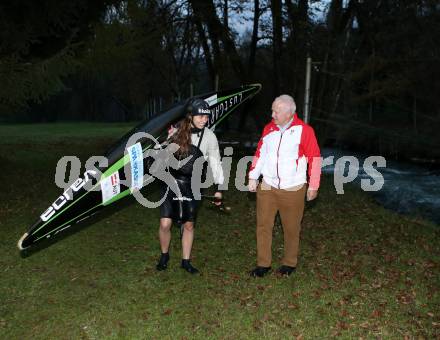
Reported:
(198, 107)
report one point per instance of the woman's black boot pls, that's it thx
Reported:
(162, 264)
(186, 264)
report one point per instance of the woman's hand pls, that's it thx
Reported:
(219, 196)
(171, 131)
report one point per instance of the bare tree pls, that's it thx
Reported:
(204, 10)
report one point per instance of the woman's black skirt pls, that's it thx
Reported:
(181, 208)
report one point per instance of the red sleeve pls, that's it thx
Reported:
(312, 153)
(257, 153)
(256, 165)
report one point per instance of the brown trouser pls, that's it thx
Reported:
(290, 204)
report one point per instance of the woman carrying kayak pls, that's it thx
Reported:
(195, 140)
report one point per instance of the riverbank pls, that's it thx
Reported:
(406, 188)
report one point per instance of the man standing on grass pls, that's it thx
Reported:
(286, 155)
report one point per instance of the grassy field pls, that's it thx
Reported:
(364, 272)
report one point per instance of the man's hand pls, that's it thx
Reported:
(253, 183)
(219, 197)
(311, 194)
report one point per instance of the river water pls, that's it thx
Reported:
(407, 188)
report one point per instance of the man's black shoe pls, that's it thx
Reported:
(162, 264)
(186, 264)
(285, 270)
(259, 271)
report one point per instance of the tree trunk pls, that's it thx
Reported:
(206, 50)
(277, 43)
(225, 14)
(205, 11)
(254, 40)
(250, 106)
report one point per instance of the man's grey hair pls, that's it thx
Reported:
(288, 102)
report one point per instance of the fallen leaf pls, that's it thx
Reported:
(365, 325)
(376, 314)
(344, 313)
(257, 325)
(342, 325)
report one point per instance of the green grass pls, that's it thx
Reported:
(46, 133)
(364, 272)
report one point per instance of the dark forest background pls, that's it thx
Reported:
(375, 73)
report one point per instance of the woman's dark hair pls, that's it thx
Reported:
(182, 137)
